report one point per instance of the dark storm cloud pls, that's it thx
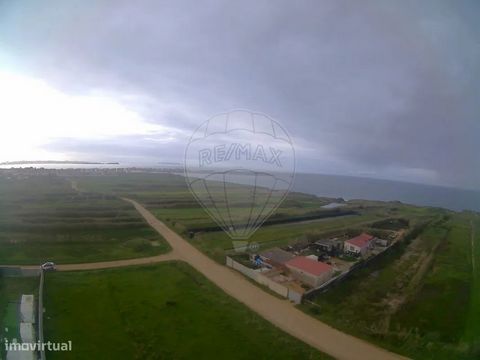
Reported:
(380, 88)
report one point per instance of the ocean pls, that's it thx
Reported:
(349, 187)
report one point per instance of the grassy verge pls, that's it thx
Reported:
(167, 311)
(472, 330)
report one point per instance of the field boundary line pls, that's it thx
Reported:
(40, 315)
(472, 240)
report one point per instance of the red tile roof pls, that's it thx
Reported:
(309, 265)
(361, 240)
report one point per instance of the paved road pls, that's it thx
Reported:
(279, 312)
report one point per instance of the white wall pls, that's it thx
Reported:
(262, 279)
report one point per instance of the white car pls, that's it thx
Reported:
(49, 266)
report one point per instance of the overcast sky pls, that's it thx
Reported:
(384, 89)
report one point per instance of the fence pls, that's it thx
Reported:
(263, 280)
(40, 316)
(360, 265)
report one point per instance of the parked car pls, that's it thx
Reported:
(49, 266)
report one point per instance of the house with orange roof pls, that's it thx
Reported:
(311, 272)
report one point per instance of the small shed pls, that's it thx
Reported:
(21, 355)
(276, 257)
(329, 246)
(27, 309)
(382, 242)
(27, 333)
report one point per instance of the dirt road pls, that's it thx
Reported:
(279, 312)
(105, 264)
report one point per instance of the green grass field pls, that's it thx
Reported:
(42, 218)
(216, 244)
(168, 197)
(167, 311)
(421, 300)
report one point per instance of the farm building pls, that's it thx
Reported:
(276, 257)
(21, 355)
(382, 242)
(309, 271)
(27, 333)
(329, 246)
(27, 309)
(333, 205)
(359, 244)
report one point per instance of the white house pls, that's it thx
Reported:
(359, 244)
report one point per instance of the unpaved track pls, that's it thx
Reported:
(105, 264)
(279, 312)
(118, 263)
